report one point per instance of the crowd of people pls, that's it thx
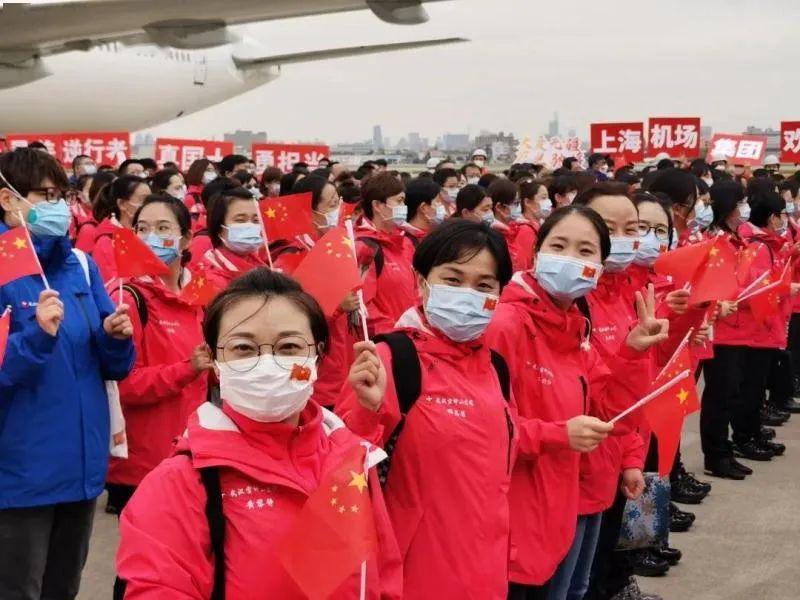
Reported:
(508, 318)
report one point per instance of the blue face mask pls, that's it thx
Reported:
(566, 278)
(790, 209)
(399, 215)
(744, 211)
(623, 251)
(545, 208)
(487, 218)
(650, 247)
(244, 238)
(441, 214)
(167, 249)
(516, 212)
(703, 215)
(49, 220)
(462, 314)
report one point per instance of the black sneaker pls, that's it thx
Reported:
(752, 451)
(696, 483)
(683, 492)
(647, 564)
(723, 468)
(776, 448)
(769, 417)
(767, 433)
(791, 406)
(740, 467)
(671, 555)
(679, 520)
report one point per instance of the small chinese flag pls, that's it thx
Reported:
(286, 217)
(133, 257)
(329, 271)
(200, 291)
(5, 325)
(746, 258)
(17, 256)
(300, 373)
(334, 532)
(490, 304)
(716, 278)
(765, 304)
(589, 271)
(681, 264)
(346, 211)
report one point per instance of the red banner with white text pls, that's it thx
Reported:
(624, 142)
(737, 149)
(184, 152)
(284, 156)
(105, 147)
(790, 141)
(679, 137)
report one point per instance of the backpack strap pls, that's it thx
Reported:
(412, 238)
(216, 526)
(377, 253)
(406, 369)
(81, 256)
(141, 305)
(501, 367)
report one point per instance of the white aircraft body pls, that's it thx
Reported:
(166, 58)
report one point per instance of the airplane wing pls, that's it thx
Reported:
(302, 57)
(30, 31)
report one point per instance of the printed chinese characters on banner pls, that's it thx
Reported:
(623, 141)
(550, 151)
(184, 152)
(679, 137)
(284, 156)
(790, 141)
(738, 149)
(104, 147)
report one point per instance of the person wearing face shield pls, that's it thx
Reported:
(561, 424)
(272, 451)
(426, 211)
(382, 249)
(169, 379)
(447, 417)
(115, 206)
(63, 344)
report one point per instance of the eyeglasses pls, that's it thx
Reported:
(661, 231)
(242, 355)
(52, 195)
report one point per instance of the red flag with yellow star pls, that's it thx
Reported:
(17, 256)
(716, 278)
(133, 257)
(286, 217)
(329, 271)
(765, 302)
(5, 325)
(681, 264)
(200, 291)
(334, 532)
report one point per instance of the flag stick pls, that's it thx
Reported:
(362, 309)
(264, 233)
(650, 396)
(120, 291)
(363, 593)
(758, 292)
(680, 347)
(750, 287)
(30, 241)
(6, 311)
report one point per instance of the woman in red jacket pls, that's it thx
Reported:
(116, 205)
(269, 448)
(390, 287)
(236, 237)
(200, 174)
(510, 221)
(558, 382)
(445, 420)
(168, 380)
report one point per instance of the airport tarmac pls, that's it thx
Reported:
(743, 545)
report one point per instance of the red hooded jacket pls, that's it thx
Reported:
(222, 265)
(387, 297)
(267, 471)
(103, 252)
(163, 388)
(521, 239)
(554, 374)
(448, 484)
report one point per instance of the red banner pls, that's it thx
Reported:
(105, 148)
(738, 149)
(284, 156)
(790, 141)
(185, 152)
(677, 136)
(623, 141)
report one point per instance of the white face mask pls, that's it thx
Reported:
(331, 218)
(545, 207)
(473, 180)
(479, 162)
(179, 194)
(208, 177)
(267, 393)
(452, 194)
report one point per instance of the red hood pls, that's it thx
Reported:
(430, 341)
(566, 328)
(366, 229)
(105, 227)
(611, 284)
(770, 238)
(154, 287)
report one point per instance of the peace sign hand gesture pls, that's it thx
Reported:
(649, 330)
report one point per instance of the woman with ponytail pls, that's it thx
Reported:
(168, 381)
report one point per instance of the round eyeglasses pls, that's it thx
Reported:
(661, 231)
(242, 354)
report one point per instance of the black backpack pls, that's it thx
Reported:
(407, 375)
(216, 526)
(138, 299)
(377, 256)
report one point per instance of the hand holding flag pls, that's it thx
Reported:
(710, 267)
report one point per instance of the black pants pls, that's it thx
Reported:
(43, 550)
(518, 591)
(746, 412)
(723, 376)
(794, 343)
(611, 569)
(118, 496)
(781, 382)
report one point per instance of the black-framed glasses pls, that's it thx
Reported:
(661, 231)
(52, 195)
(242, 354)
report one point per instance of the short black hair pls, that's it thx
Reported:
(596, 158)
(679, 185)
(459, 240)
(640, 197)
(587, 213)
(791, 185)
(219, 209)
(288, 180)
(725, 197)
(568, 162)
(381, 162)
(469, 197)
(699, 167)
(314, 184)
(231, 161)
(486, 180)
(562, 184)
(603, 188)
(149, 163)
(122, 188)
(79, 158)
(665, 163)
(418, 192)
(379, 187)
(123, 166)
(177, 207)
(160, 181)
(764, 205)
(26, 169)
(441, 176)
(503, 191)
(265, 283)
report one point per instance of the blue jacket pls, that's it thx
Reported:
(54, 420)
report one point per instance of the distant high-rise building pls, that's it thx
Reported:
(415, 142)
(552, 127)
(455, 141)
(571, 132)
(377, 137)
(498, 143)
(243, 139)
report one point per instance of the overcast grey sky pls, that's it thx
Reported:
(731, 62)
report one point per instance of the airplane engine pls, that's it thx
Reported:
(190, 34)
(14, 73)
